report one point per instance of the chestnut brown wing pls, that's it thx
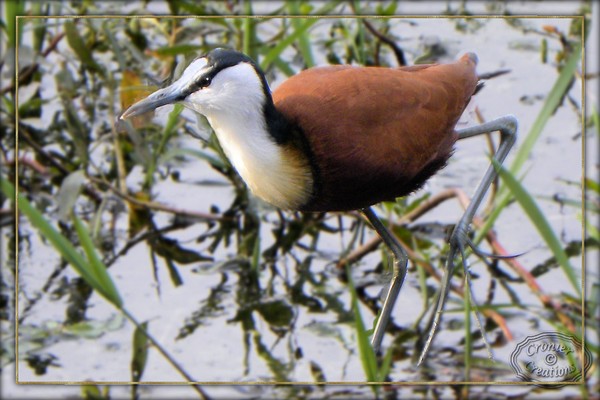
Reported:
(376, 133)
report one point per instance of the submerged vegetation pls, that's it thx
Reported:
(140, 239)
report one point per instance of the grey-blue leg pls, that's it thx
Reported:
(399, 272)
(507, 126)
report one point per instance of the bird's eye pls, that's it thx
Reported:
(204, 81)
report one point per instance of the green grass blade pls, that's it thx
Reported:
(169, 131)
(365, 350)
(255, 264)
(173, 122)
(92, 392)
(596, 119)
(524, 150)
(80, 48)
(386, 365)
(592, 185)
(282, 45)
(64, 246)
(68, 193)
(13, 9)
(468, 339)
(248, 31)
(96, 266)
(303, 40)
(140, 352)
(40, 30)
(541, 223)
(60, 242)
(143, 330)
(592, 231)
(328, 7)
(284, 67)
(552, 101)
(176, 50)
(200, 154)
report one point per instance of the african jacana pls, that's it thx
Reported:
(338, 138)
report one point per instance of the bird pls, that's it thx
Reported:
(339, 137)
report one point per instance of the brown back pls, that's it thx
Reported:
(376, 133)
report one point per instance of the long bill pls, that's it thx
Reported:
(169, 95)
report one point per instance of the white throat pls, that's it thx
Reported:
(235, 112)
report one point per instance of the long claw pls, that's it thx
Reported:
(475, 305)
(482, 253)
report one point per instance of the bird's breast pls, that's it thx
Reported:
(278, 174)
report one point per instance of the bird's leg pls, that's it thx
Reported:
(507, 126)
(399, 272)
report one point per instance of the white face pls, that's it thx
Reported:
(235, 89)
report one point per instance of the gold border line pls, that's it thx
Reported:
(270, 383)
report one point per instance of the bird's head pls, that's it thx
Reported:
(222, 81)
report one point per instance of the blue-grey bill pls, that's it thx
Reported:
(162, 97)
